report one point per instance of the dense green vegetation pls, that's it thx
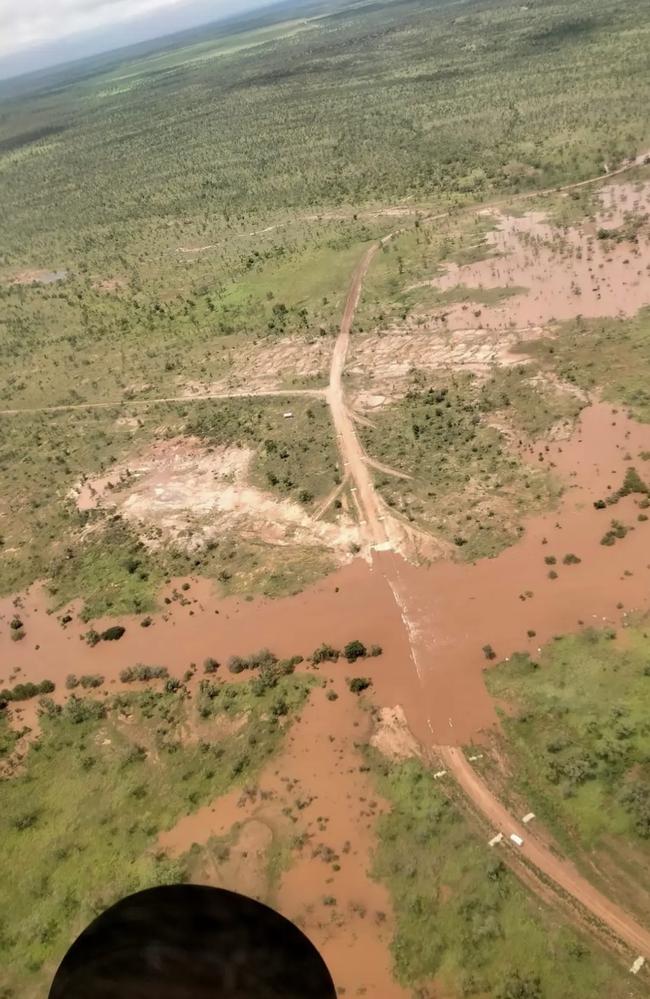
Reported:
(465, 487)
(579, 745)
(470, 98)
(463, 919)
(80, 818)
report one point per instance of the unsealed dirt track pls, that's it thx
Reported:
(377, 521)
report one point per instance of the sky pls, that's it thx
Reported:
(39, 33)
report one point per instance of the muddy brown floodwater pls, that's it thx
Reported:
(431, 622)
(560, 272)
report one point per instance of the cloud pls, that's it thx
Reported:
(28, 23)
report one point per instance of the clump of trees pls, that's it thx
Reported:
(141, 672)
(87, 681)
(25, 691)
(616, 531)
(352, 651)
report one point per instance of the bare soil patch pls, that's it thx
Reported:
(178, 490)
(263, 367)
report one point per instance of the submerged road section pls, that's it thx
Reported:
(382, 531)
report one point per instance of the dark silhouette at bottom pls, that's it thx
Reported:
(182, 941)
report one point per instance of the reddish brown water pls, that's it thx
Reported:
(319, 766)
(431, 622)
(562, 272)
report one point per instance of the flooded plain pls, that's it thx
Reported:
(598, 268)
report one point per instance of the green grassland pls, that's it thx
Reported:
(612, 355)
(462, 918)
(466, 486)
(376, 102)
(578, 742)
(89, 837)
(91, 555)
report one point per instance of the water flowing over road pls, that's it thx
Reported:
(382, 531)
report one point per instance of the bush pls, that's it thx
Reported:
(359, 683)
(78, 709)
(324, 653)
(636, 800)
(354, 650)
(516, 987)
(25, 691)
(92, 637)
(571, 559)
(600, 504)
(489, 652)
(375, 650)
(210, 665)
(16, 624)
(113, 633)
(91, 681)
(236, 664)
(71, 681)
(141, 672)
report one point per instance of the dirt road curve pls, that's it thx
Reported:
(562, 872)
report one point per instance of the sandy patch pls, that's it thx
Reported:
(392, 736)
(387, 361)
(38, 277)
(262, 367)
(179, 491)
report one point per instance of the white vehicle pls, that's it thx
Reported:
(517, 840)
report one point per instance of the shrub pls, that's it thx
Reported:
(600, 504)
(552, 574)
(141, 672)
(355, 650)
(25, 691)
(359, 683)
(550, 559)
(236, 664)
(113, 633)
(375, 650)
(71, 681)
(571, 559)
(81, 709)
(331, 695)
(91, 681)
(146, 622)
(636, 800)
(489, 652)
(16, 624)
(210, 665)
(92, 637)
(325, 653)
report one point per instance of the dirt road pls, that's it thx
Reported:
(373, 524)
(378, 528)
(117, 403)
(562, 872)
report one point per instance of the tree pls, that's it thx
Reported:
(354, 650)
